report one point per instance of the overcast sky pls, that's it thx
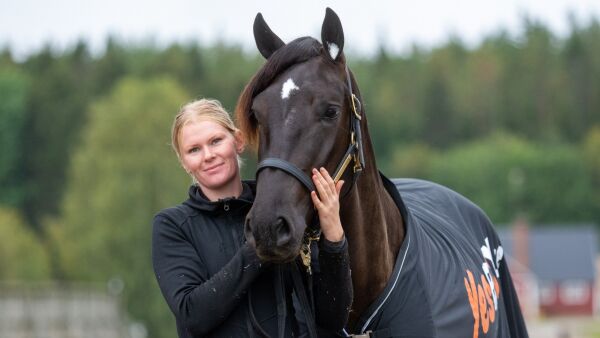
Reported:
(26, 25)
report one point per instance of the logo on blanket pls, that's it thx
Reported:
(484, 293)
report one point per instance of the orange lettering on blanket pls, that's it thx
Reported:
(481, 301)
(472, 294)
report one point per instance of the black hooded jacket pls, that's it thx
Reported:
(206, 271)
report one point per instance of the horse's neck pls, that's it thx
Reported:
(375, 231)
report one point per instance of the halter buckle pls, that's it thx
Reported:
(357, 166)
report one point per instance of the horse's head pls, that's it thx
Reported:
(298, 107)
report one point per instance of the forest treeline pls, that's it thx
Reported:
(85, 162)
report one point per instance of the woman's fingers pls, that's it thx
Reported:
(338, 186)
(326, 183)
(321, 184)
(316, 201)
(327, 204)
(327, 178)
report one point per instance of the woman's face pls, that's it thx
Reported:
(209, 152)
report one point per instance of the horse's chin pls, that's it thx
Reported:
(278, 255)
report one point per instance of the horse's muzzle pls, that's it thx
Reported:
(274, 241)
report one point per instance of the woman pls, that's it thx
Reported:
(205, 270)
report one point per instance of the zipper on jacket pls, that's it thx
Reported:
(226, 206)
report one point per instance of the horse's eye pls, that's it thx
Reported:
(331, 113)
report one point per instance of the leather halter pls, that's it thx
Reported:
(354, 151)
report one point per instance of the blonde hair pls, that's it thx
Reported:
(209, 109)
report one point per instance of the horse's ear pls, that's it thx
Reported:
(266, 41)
(332, 34)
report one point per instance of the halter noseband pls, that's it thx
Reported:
(354, 151)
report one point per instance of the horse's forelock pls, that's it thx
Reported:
(292, 53)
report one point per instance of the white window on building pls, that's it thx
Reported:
(574, 292)
(547, 293)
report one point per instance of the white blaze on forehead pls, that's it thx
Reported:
(287, 88)
(333, 50)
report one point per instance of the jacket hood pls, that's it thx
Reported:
(197, 199)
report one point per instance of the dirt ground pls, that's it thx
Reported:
(565, 327)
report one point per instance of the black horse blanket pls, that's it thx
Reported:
(450, 277)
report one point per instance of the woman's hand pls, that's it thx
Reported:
(327, 203)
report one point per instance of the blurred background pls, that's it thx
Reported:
(499, 101)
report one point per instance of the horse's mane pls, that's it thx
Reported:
(297, 51)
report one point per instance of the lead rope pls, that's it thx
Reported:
(281, 307)
(305, 304)
(255, 324)
(281, 301)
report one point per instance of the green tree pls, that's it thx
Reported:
(392, 95)
(414, 160)
(122, 174)
(184, 63)
(508, 176)
(22, 256)
(227, 71)
(477, 91)
(582, 73)
(6, 58)
(13, 90)
(56, 110)
(438, 129)
(111, 67)
(591, 151)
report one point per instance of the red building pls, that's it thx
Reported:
(553, 268)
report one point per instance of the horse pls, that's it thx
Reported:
(425, 261)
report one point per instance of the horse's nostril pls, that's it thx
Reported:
(283, 231)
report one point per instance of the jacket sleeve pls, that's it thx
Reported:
(333, 285)
(199, 303)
